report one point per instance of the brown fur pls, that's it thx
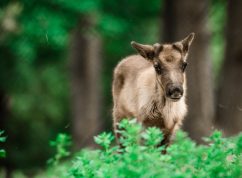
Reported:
(139, 91)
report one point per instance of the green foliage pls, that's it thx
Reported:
(2, 139)
(104, 140)
(61, 144)
(153, 136)
(221, 157)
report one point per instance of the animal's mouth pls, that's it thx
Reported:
(175, 97)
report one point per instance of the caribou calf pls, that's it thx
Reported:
(151, 86)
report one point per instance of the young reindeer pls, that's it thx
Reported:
(151, 86)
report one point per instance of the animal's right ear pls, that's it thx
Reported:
(147, 51)
(187, 42)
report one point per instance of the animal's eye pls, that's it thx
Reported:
(157, 68)
(184, 66)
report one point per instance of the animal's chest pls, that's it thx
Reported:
(164, 117)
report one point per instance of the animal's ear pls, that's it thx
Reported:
(147, 51)
(186, 42)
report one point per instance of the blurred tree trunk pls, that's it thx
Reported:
(229, 108)
(180, 19)
(85, 70)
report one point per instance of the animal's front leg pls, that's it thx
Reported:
(168, 135)
(166, 141)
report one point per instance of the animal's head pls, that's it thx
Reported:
(169, 62)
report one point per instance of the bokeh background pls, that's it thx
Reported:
(57, 59)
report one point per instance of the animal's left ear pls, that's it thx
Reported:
(147, 51)
(186, 42)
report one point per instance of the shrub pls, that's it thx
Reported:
(140, 157)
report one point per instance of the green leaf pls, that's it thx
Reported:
(2, 153)
(104, 139)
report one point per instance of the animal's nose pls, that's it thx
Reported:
(175, 91)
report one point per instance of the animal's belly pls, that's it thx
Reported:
(159, 123)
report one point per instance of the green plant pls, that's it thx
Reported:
(61, 144)
(2, 139)
(221, 157)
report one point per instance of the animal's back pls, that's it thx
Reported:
(131, 66)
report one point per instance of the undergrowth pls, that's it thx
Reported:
(141, 158)
(2, 139)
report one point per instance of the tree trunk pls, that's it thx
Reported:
(85, 66)
(180, 19)
(229, 108)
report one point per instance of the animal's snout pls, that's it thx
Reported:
(174, 92)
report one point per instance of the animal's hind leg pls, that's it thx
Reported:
(116, 121)
(117, 86)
